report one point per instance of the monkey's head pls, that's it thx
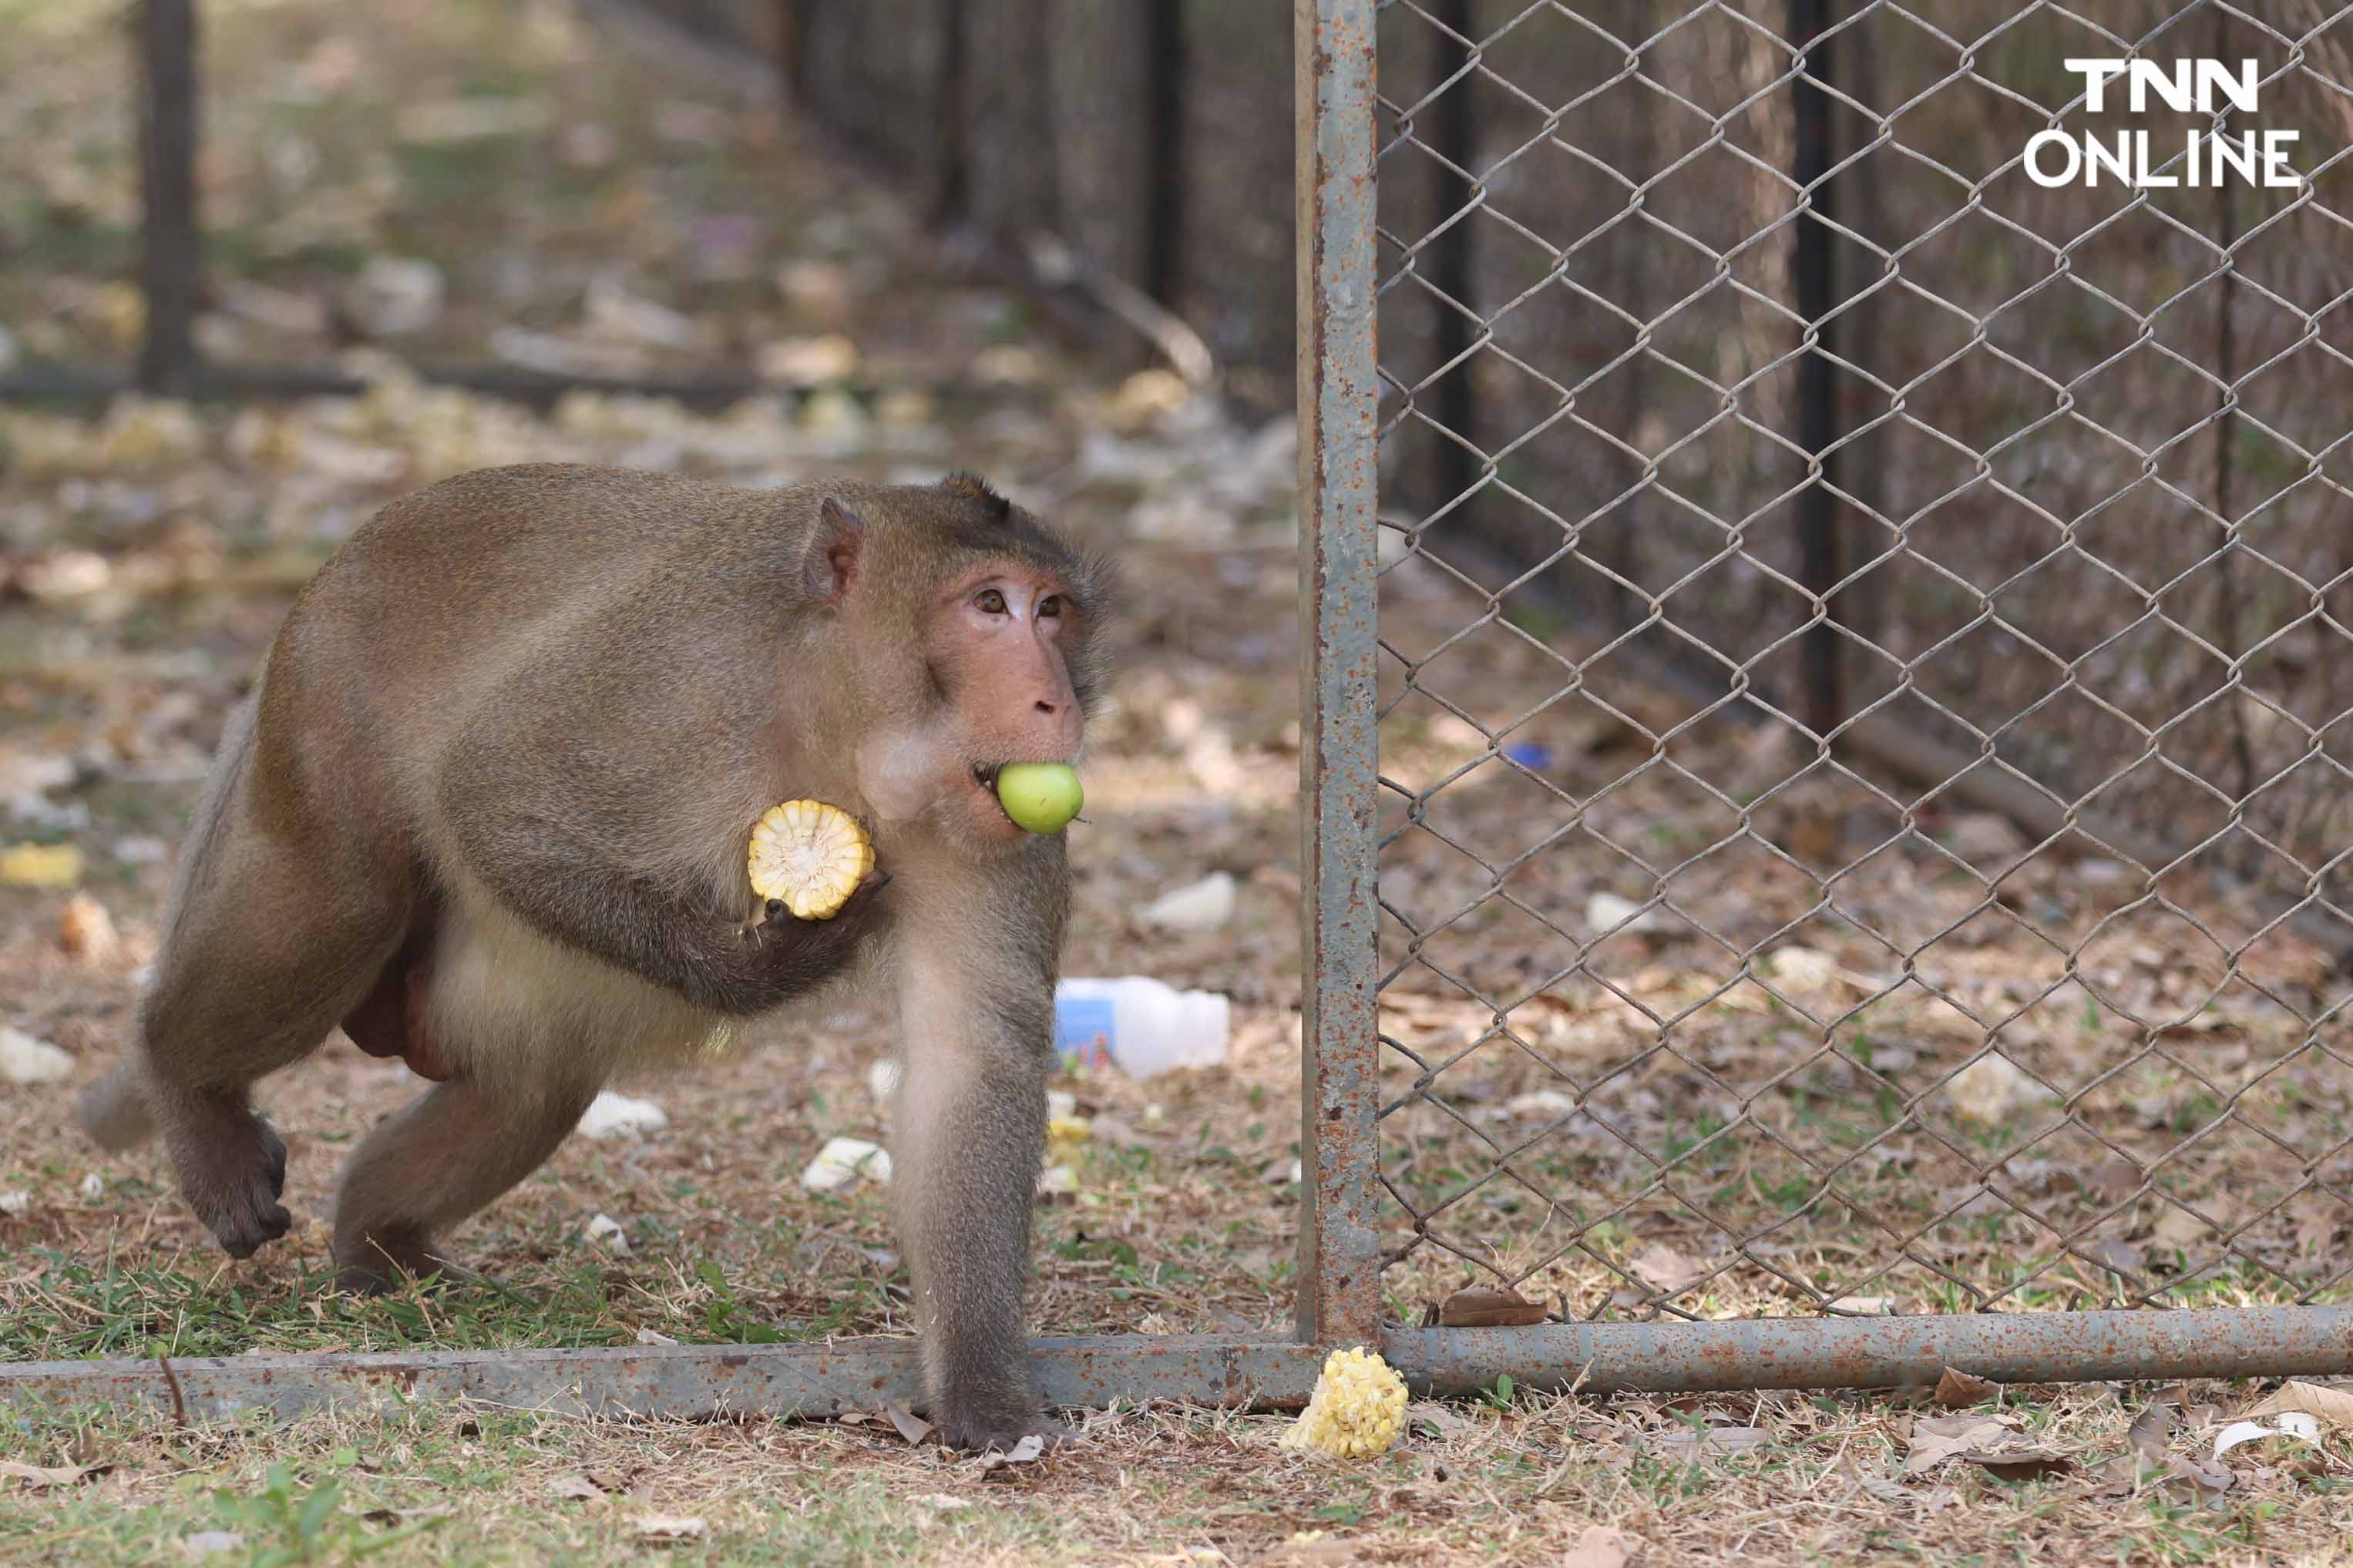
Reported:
(972, 629)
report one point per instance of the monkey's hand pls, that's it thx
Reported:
(577, 866)
(794, 954)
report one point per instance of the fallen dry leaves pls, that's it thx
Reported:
(50, 1475)
(2332, 1405)
(1481, 1308)
(1958, 1389)
(1992, 1442)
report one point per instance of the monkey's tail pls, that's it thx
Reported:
(114, 1111)
(117, 1111)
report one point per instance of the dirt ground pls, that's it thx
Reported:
(1757, 1097)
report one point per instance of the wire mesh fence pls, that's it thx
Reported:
(1864, 751)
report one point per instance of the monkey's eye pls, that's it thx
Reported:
(1050, 606)
(992, 602)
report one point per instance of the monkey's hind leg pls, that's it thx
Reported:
(248, 983)
(273, 934)
(444, 1158)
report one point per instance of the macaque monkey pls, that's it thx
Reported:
(488, 809)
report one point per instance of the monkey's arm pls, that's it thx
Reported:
(570, 885)
(977, 1008)
(572, 829)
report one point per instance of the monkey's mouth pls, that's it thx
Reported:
(985, 775)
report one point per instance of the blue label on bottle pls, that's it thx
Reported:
(1082, 1030)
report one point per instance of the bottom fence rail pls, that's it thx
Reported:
(698, 1382)
(692, 1382)
(1880, 1352)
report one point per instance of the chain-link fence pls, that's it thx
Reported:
(1862, 798)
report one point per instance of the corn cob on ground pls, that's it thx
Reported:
(809, 854)
(1357, 1411)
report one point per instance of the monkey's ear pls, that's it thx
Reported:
(832, 558)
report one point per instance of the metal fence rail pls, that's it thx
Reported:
(1775, 477)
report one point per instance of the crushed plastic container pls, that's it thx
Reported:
(1141, 1027)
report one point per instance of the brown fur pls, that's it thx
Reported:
(487, 810)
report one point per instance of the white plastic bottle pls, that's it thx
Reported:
(1144, 1028)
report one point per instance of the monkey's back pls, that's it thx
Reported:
(487, 573)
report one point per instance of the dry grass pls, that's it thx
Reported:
(1173, 1486)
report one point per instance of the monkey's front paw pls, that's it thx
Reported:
(976, 1431)
(236, 1195)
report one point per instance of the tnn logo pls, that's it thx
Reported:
(2211, 157)
(2202, 85)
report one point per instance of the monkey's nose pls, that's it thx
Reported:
(1046, 707)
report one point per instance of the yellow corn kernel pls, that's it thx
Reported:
(1357, 1411)
(811, 856)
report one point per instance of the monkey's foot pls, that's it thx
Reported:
(974, 1431)
(1055, 1433)
(385, 1259)
(232, 1169)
